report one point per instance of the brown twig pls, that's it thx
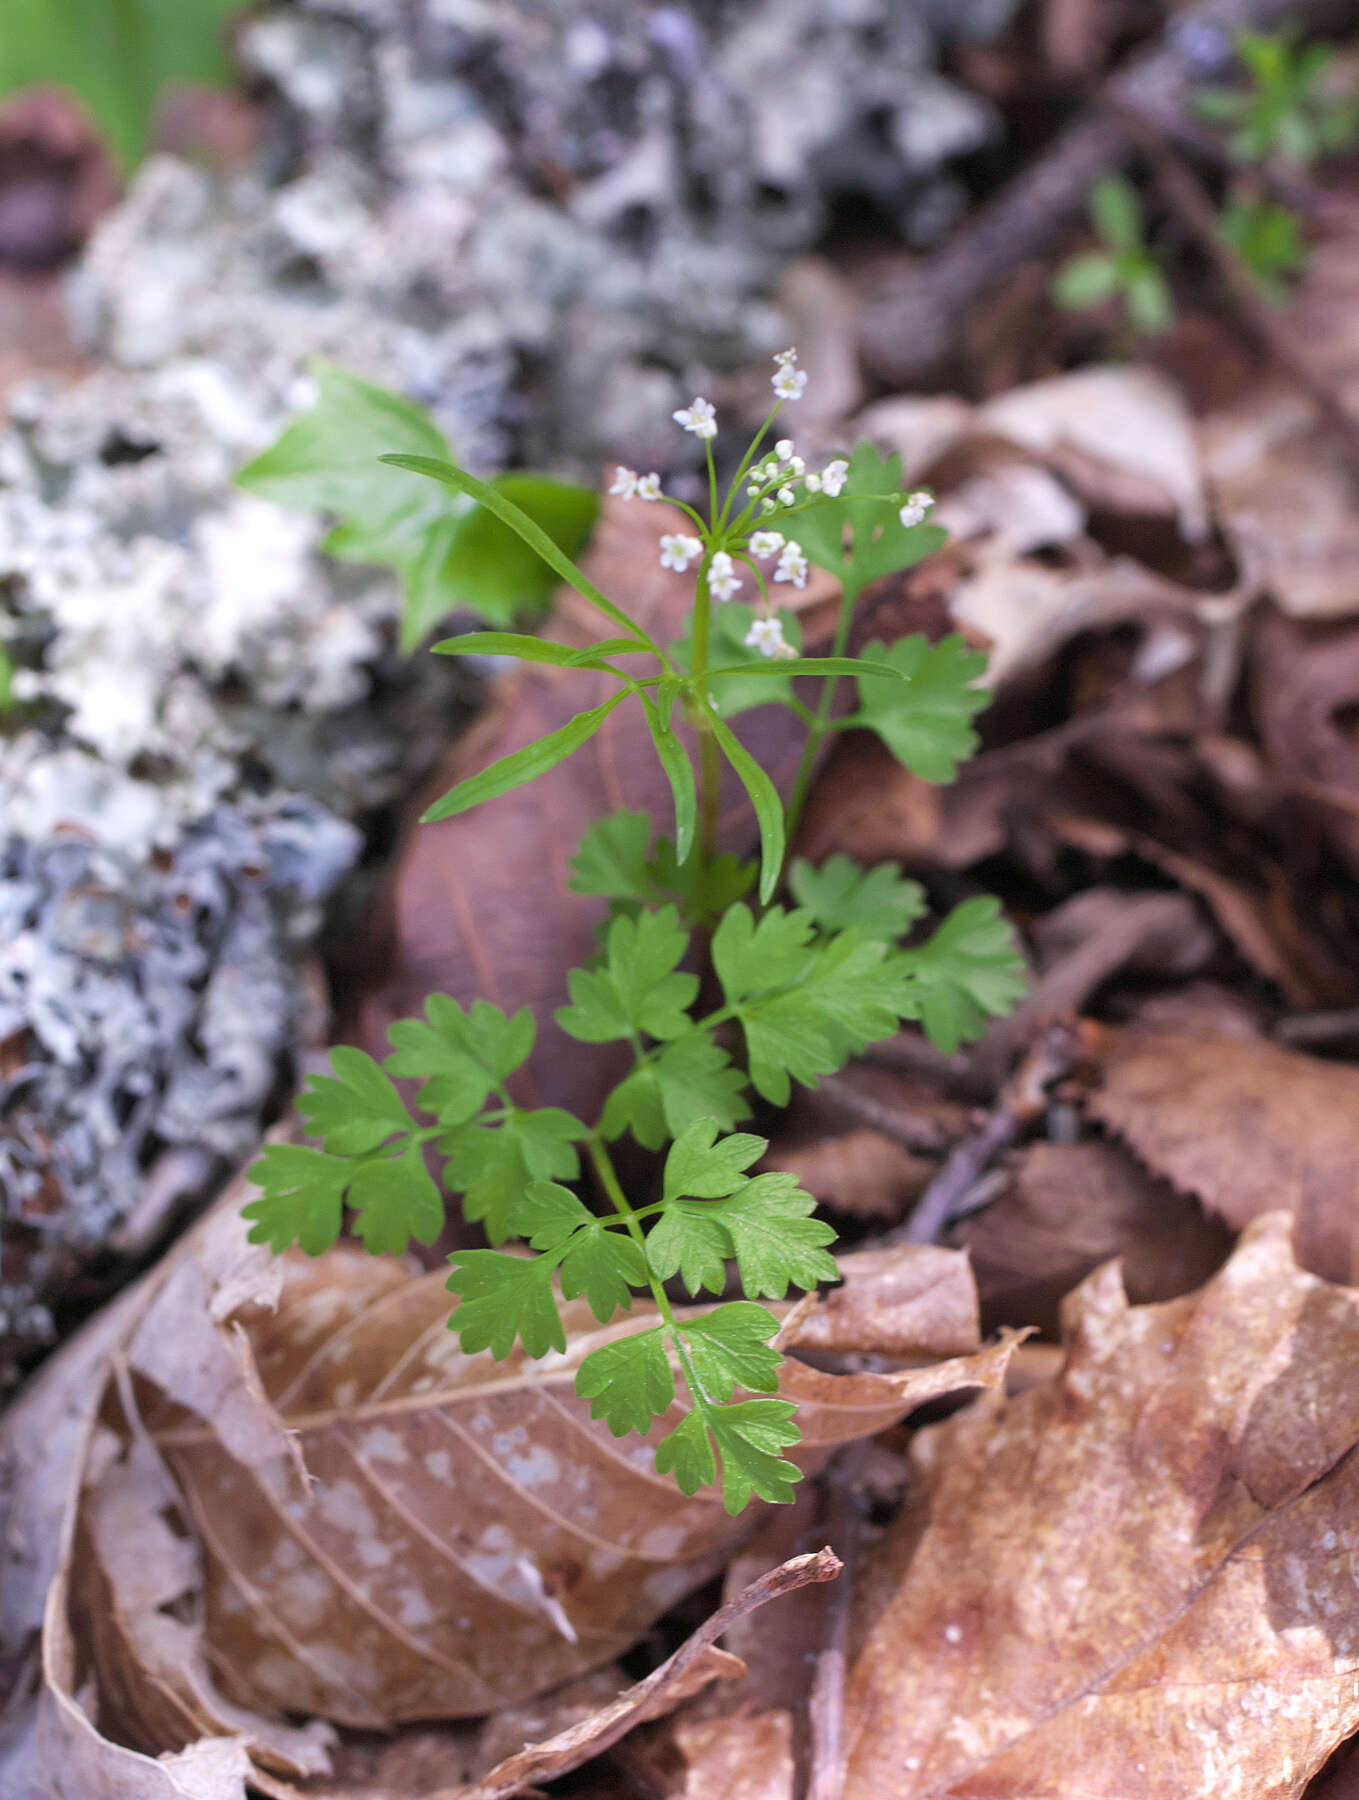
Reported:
(1021, 1101)
(826, 1706)
(1193, 205)
(911, 325)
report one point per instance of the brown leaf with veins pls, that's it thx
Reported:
(472, 1537)
(479, 905)
(469, 1536)
(1135, 1580)
(1246, 1126)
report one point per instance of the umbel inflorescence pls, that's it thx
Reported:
(820, 964)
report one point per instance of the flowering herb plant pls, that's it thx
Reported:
(804, 986)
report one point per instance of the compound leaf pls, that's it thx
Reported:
(877, 903)
(397, 1200)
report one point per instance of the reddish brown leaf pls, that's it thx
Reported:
(479, 905)
(1135, 1580)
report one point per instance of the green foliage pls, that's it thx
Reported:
(1124, 268)
(966, 972)
(1285, 108)
(860, 537)
(840, 896)
(448, 551)
(1268, 239)
(803, 988)
(924, 718)
(115, 57)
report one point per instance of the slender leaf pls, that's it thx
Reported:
(679, 772)
(522, 765)
(533, 535)
(764, 797)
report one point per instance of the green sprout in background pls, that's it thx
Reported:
(1285, 109)
(1267, 236)
(1125, 268)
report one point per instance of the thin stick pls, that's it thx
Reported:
(920, 1136)
(1021, 1101)
(826, 1706)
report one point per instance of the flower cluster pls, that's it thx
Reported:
(777, 482)
(629, 485)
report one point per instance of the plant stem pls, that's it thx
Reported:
(821, 719)
(613, 1187)
(709, 761)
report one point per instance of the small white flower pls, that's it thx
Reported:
(769, 504)
(796, 466)
(788, 380)
(677, 552)
(916, 509)
(784, 449)
(834, 476)
(624, 483)
(649, 486)
(700, 417)
(766, 543)
(792, 564)
(766, 636)
(813, 483)
(786, 496)
(723, 581)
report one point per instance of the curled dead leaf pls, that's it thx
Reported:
(287, 1491)
(1135, 1579)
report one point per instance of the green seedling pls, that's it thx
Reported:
(1285, 109)
(1124, 269)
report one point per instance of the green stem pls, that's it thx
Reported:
(820, 724)
(709, 762)
(608, 1177)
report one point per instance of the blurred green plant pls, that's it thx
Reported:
(1268, 239)
(1284, 109)
(115, 57)
(449, 551)
(1125, 268)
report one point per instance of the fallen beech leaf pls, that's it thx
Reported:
(1135, 1580)
(1067, 1209)
(478, 906)
(470, 1536)
(543, 1762)
(1244, 1125)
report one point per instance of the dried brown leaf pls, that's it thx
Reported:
(1066, 1209)
(1135, 1580)
(861, 1173)
(1246, 1126)
(661, 1690)
(382, 1529)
